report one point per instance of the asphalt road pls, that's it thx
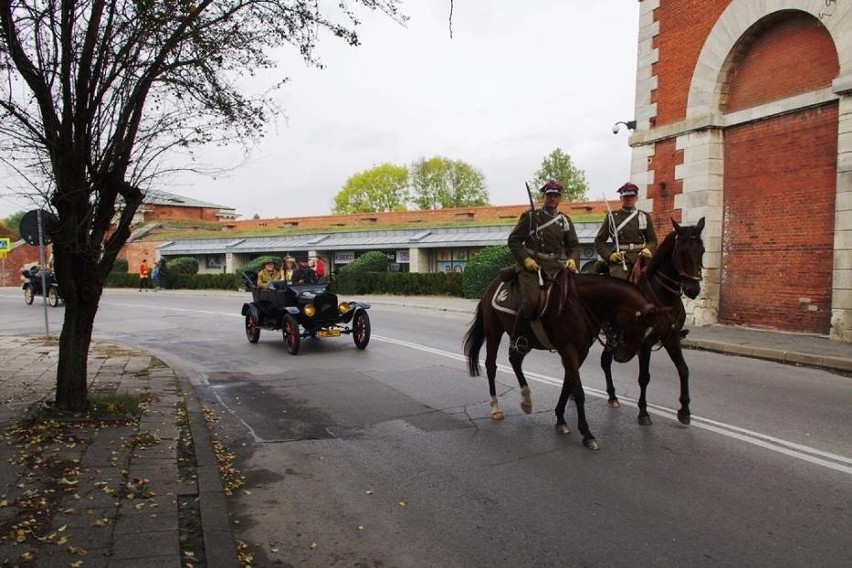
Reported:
(388, 457)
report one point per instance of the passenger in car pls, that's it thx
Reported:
(288, 269)
(304, 274)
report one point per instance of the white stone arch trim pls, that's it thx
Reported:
(736, 20)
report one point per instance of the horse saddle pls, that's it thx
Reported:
(507, 299)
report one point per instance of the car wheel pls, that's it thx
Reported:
(28, 295)
(292, 334)
(252, 331)
(52, 297)
(361, 329)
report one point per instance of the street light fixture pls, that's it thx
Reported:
(630, 124)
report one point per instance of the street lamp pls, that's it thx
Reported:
(630, 124)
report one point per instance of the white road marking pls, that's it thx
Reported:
(805, 453)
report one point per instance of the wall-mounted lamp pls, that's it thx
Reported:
(630, 124)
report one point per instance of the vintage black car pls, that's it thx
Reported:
(33, 286)
(303, 310)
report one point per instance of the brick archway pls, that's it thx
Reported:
(780, 184)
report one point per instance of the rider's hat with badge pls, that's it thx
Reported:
(552, 186)
(628, 190)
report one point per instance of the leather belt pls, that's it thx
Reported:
(542, 255)
(631, 246)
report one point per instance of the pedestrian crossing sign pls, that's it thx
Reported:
(5, 245)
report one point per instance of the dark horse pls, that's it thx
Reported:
(576, 308)
(674, 269)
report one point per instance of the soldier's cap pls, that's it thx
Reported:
(552, 186)
(628, 190)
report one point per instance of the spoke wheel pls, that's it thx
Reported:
(28, 295)
(361, 329)
(252, 331)
(291, 332)
(52, 297)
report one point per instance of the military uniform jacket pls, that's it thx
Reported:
(555, 234)
(634, 235)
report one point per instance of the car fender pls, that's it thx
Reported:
(292, 310)
(251, 308)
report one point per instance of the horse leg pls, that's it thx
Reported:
(516, 358)
(676, 353)
(571, 386)
(606, 365)
(644, 379)
(492, 341)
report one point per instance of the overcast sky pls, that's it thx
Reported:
(515, 81)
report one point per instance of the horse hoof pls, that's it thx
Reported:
(563, 429)
(614, 404)
(645, 420)
(591, 444)
(526, 407)
(683, 417)
(497, 415)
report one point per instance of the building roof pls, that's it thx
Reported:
(422, 237)
(159, 197)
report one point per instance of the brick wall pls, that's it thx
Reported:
(778, 221)
(794, 55)
(665, 187)
(683, 27)
(408, 219)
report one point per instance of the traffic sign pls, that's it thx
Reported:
(29, 227)
(5, 245)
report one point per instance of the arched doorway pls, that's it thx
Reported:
(780, 181)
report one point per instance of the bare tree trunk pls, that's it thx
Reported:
(81, 286)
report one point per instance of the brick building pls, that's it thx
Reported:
(744, 117)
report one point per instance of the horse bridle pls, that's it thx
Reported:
(669, 283)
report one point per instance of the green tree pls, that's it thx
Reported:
(13, 223)
(99, 98)
(558, 166)
(440, 183)
(382, 188)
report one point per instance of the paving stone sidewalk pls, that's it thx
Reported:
(117, 495)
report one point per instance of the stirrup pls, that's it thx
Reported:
(520, 345)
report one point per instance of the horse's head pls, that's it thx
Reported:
(634, 328)
(687, 256)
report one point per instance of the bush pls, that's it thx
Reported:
(182, 265)
(373, 261)
(482, 268)
(120, 266)
(400, 283)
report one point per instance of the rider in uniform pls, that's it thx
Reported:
(636, 235)
(552, 232)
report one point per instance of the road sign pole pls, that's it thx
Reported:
(43, 271)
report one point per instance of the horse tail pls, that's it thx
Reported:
(473, 341)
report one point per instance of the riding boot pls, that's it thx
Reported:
(520, 340)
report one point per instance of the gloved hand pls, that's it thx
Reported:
(615, 257)
(571, 265)
(646, 252)
(530, 264)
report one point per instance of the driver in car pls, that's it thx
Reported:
(267, 275)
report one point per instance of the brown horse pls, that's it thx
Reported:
(674, 269)
(576, 309)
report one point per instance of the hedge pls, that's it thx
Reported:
(482, 268)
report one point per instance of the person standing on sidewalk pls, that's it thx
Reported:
(537, 243)
(144, 281)
(631, 231)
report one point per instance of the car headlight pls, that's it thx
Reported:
(309, 310)
(343, 307)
